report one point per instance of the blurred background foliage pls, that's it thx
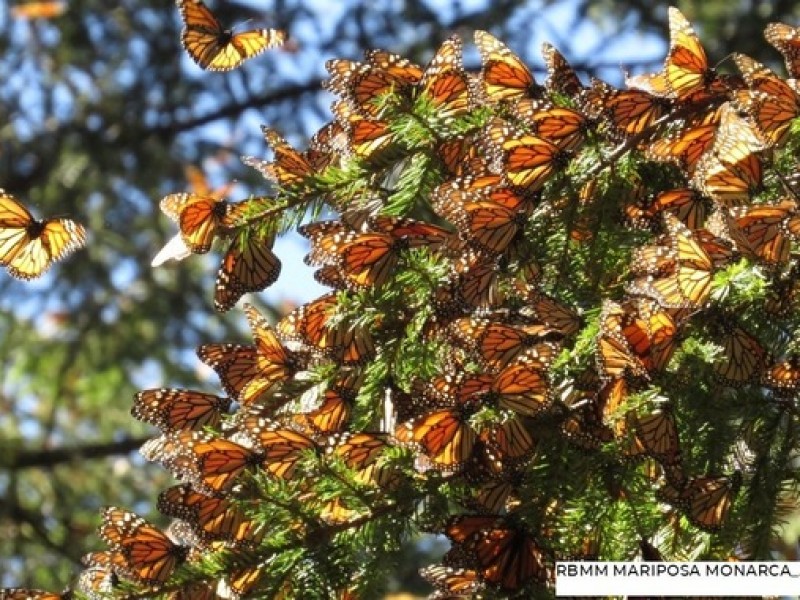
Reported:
(102, 114)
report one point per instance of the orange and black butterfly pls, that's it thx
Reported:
(743, 357)
(248, 371)
(759, 232)
(783, 376)
(550, 311)
(288, 168)
(564, 127)
(28, 246)
(333, 413)
(527, 161)
(361, 452)
(522, 388)
(445, 83)
(249, 265)
(627, 112)
(686, 144)
(498, 344)
(769, 101)
(445, 436)
(211, 519)
(31, 594)
(651, 333)
(96, 580)
(451, 583)
(507, 444)
(615, 357)
(656, 435)
(688, 284)
(281, 448)
(561, 77)
(504, 77)
(201, 217)
(367, 138)
(314, 325)
(217, 49)
(503, 553)
(686, 68)
(705, 500)
(211, 464)
(686, 204)
(786, 39)
(146, 554)
(486, 215)
(172, 409)
(731, 172)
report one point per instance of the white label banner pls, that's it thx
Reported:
(678, 578)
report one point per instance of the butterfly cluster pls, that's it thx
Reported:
(535, 308)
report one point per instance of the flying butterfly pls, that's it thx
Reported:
(28, 246)
(216, 49)
(172, 409)
(147, 555)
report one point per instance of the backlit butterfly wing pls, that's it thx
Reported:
(29, 594)
(760, 232)
(627, 112)
(249, 265)
(288, 168)
(706, 500)
(27, 246)
(281, 449)
(561, 78)
(149, 556)
(451, 583)
(445, 83)
(273, 362)
(730, 173)
(783, 376)
(522, 388)
(743, 358)
(216, 49)
(770, 101)
(175, 409)
(686, 67)
(199, 218)
(445, 437)
(786, 39)
(656, 435)
(504, 76)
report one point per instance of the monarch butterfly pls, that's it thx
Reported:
(742, 359)
(783, 376)
(289, 167)
(28, 246)
(96, 580)
(249, 265)
(148, 555)
(315, 326)
(211, 519)
(786, 40)
(650, 332)
(656, 435)
(498, 495)
(367, 138)
(689, 285)
(627, 112)
(760, 233)
(770, 102)
(216, 49)
(688, 143)
(199, 590)
(445, 436)
(503, 553)
(507, 443)
(445, 83)
(334, 411)
(211, 464)
(527, 161)
(548, 310)
(200, 217)
(327, 146)
(273, 362)
(561, 78)
(361, 452)
(522, 388)
(499, 344)
(489, 218)
(281, 448)
(242, 581)
(730, 173)
(451, 583)
(686, 67)
(172, 409)
(690, 208)
(460, 156)
(615, 358)
(706, 500)
(30, 594)
(564, 127)
(504, 76)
